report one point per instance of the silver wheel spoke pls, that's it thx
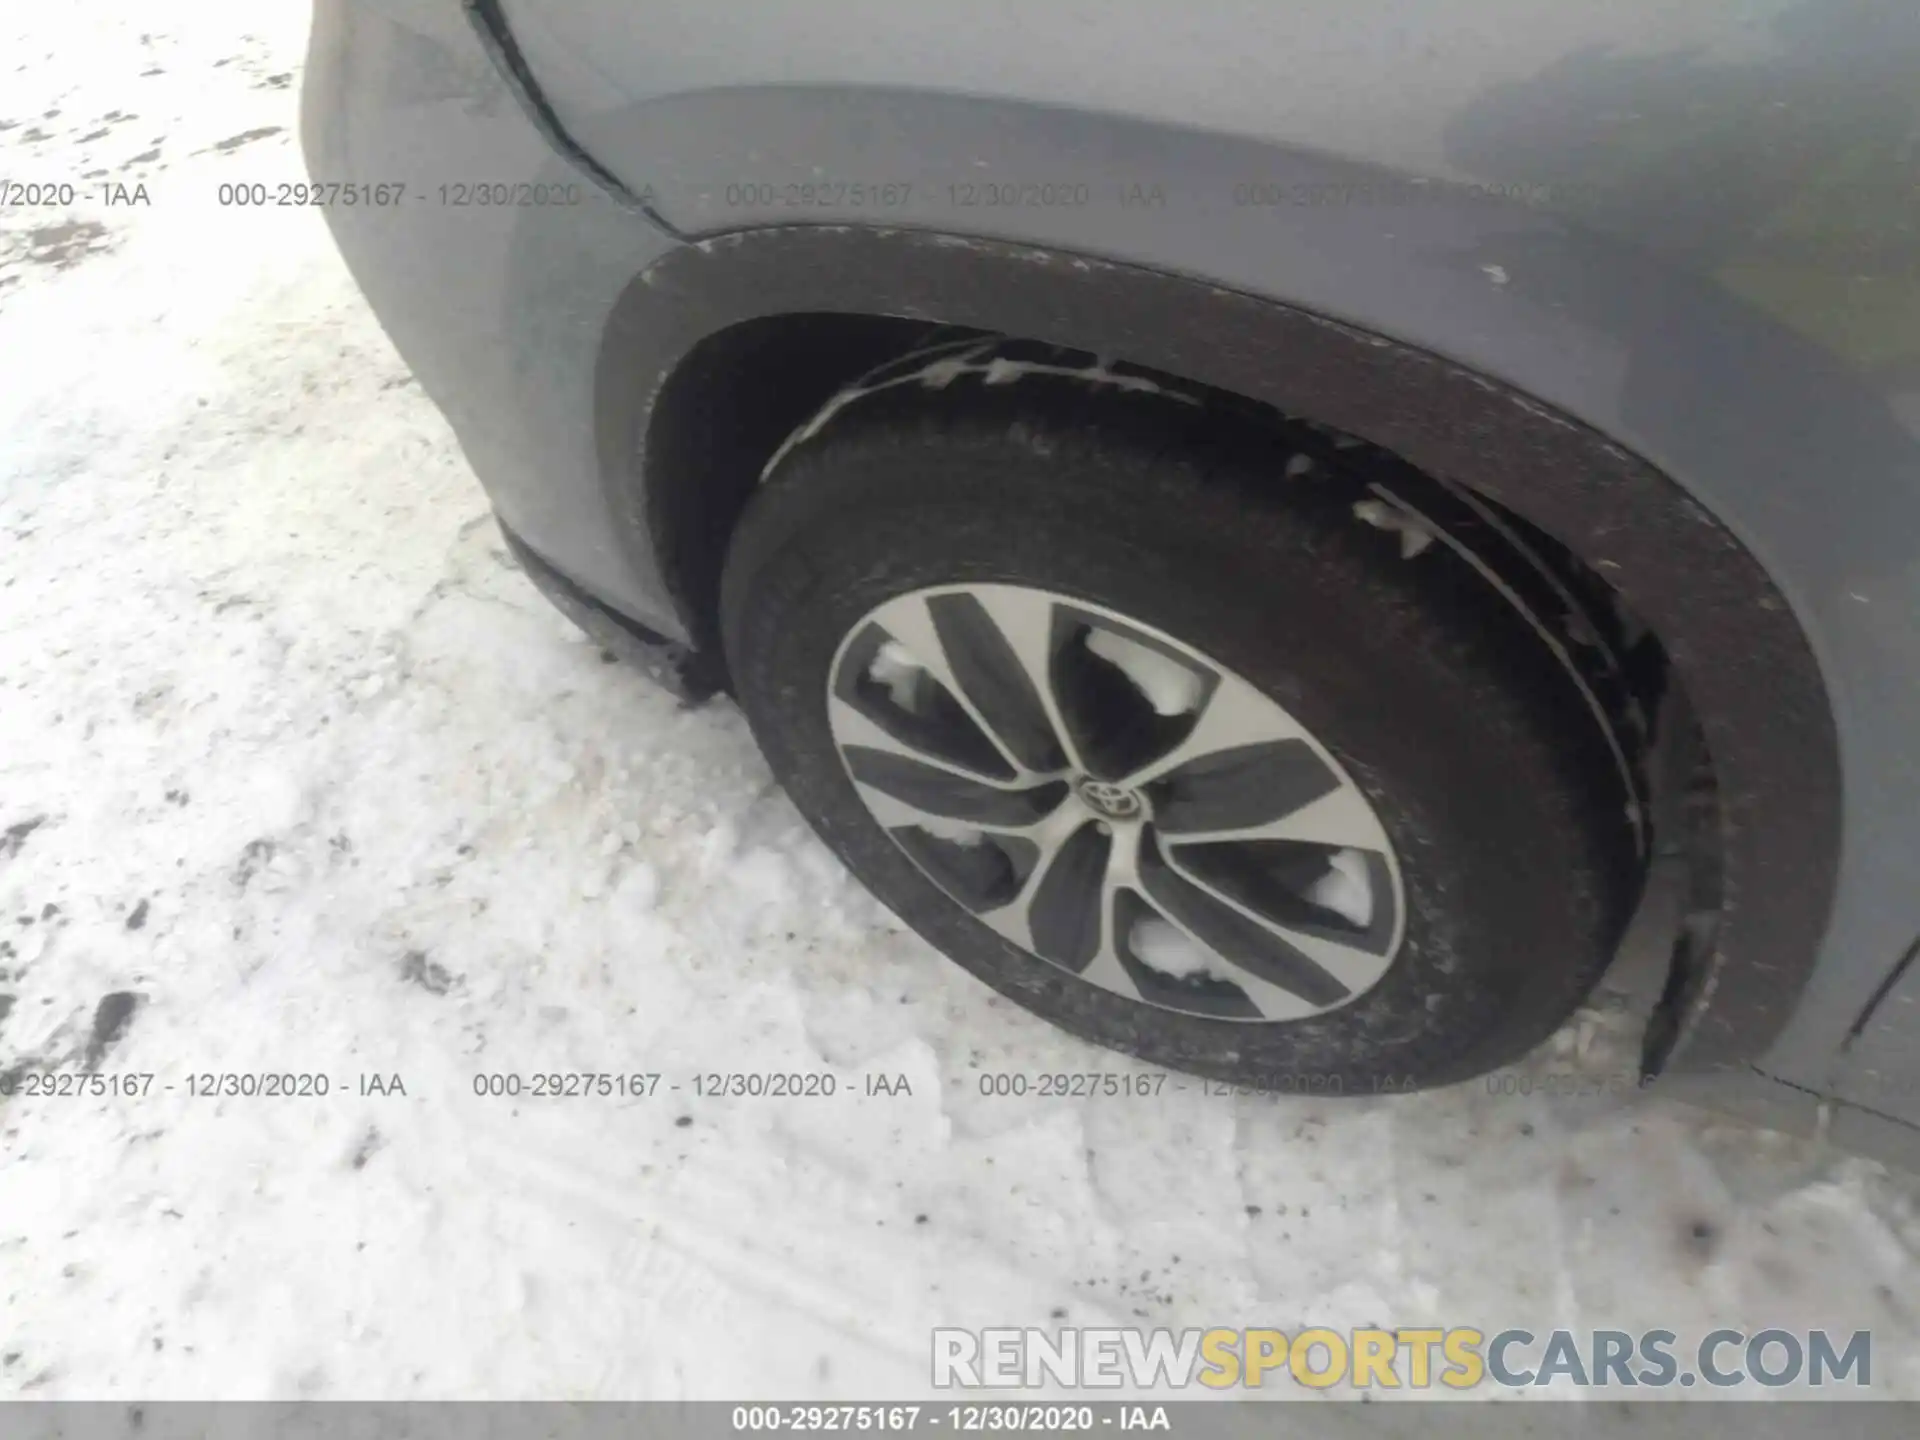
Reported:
(1106, 968)
(1012, 919)
(988, 663)
(894, 813)
(1235, 715)
(1351, 965)
(909, 622)
(1339, 820)
(853, 729)
(1240, 940)
(947, 797)
(1026, 619)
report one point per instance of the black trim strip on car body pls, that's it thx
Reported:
(490, 25)
(692, 675)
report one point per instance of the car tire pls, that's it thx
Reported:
(1500, 870)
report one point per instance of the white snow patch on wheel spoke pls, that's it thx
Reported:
(1168, 686)
(1346, 888)
(1169, 949)
(906, 680)
(1414, 536)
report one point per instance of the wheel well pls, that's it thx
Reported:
(721, 415)
(743, 392)
(1751, 674)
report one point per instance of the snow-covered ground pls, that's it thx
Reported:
(292, 758)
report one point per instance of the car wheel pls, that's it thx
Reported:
(1116, 700)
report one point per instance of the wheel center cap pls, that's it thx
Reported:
(1116, 802)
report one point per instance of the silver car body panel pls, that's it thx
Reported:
(1694, 229)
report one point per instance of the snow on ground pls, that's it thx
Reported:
(295, 763)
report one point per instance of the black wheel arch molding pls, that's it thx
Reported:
(1750, 673)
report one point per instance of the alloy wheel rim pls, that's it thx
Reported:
(1115, 803)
